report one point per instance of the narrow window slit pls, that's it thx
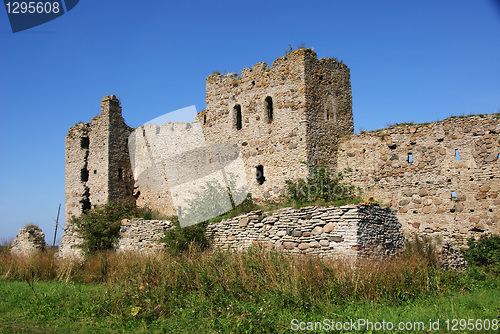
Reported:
(237, 110)
(457, 156)
(410, 157)
(259, 174)
(269, 108)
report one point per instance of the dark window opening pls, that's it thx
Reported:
(237, 110)
(259, 174)
(457, 156)
(410, 157)
(86, 206)
(84, 175)
(204, 119)
(269, 108)
(95, 171)
(84, 142)
(120, 174)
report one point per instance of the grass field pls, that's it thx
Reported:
(251, 292)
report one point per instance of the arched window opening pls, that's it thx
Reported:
(331, 109)
(237, 110)
(269, 108)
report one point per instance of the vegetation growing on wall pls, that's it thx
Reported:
(321, 187)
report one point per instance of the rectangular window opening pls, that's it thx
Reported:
(259, 174)
(120, 174)
(84, 142)
(453, 195)
(84, 175)
(269, 108)
(457, 156)
(410, 157)
(237, 110)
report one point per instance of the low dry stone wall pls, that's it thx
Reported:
(142, 235)
(354, 230)
(30, 240)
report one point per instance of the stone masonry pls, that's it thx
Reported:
(351, 230)
(30, 240)
(441, 178)
(141, 235)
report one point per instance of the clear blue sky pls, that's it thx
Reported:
(410, 61)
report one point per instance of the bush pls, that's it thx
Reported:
(181, 239)
(100, 225)
(484, 252)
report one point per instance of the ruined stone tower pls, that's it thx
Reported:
(280, 116)
(97, 160)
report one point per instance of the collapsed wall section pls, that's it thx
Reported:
(441, 178)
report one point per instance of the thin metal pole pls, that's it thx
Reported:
(57, 223)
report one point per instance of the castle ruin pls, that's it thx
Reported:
(441, 178)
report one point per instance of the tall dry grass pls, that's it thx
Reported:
(256, 273)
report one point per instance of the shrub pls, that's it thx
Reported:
(484, 252)
(322, 185)
(181, 239)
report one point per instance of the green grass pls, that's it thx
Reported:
(78, 308)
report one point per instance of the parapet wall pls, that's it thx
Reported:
(442, 178)
(329, 232)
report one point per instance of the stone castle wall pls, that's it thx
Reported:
(139, 235)
(333, 231)
(442, 178)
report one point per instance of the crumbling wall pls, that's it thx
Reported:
(139, 235)
(97, 161)
(353, 230)
(441, 178)
(30, 240)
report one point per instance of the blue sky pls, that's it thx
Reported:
(410, 61)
